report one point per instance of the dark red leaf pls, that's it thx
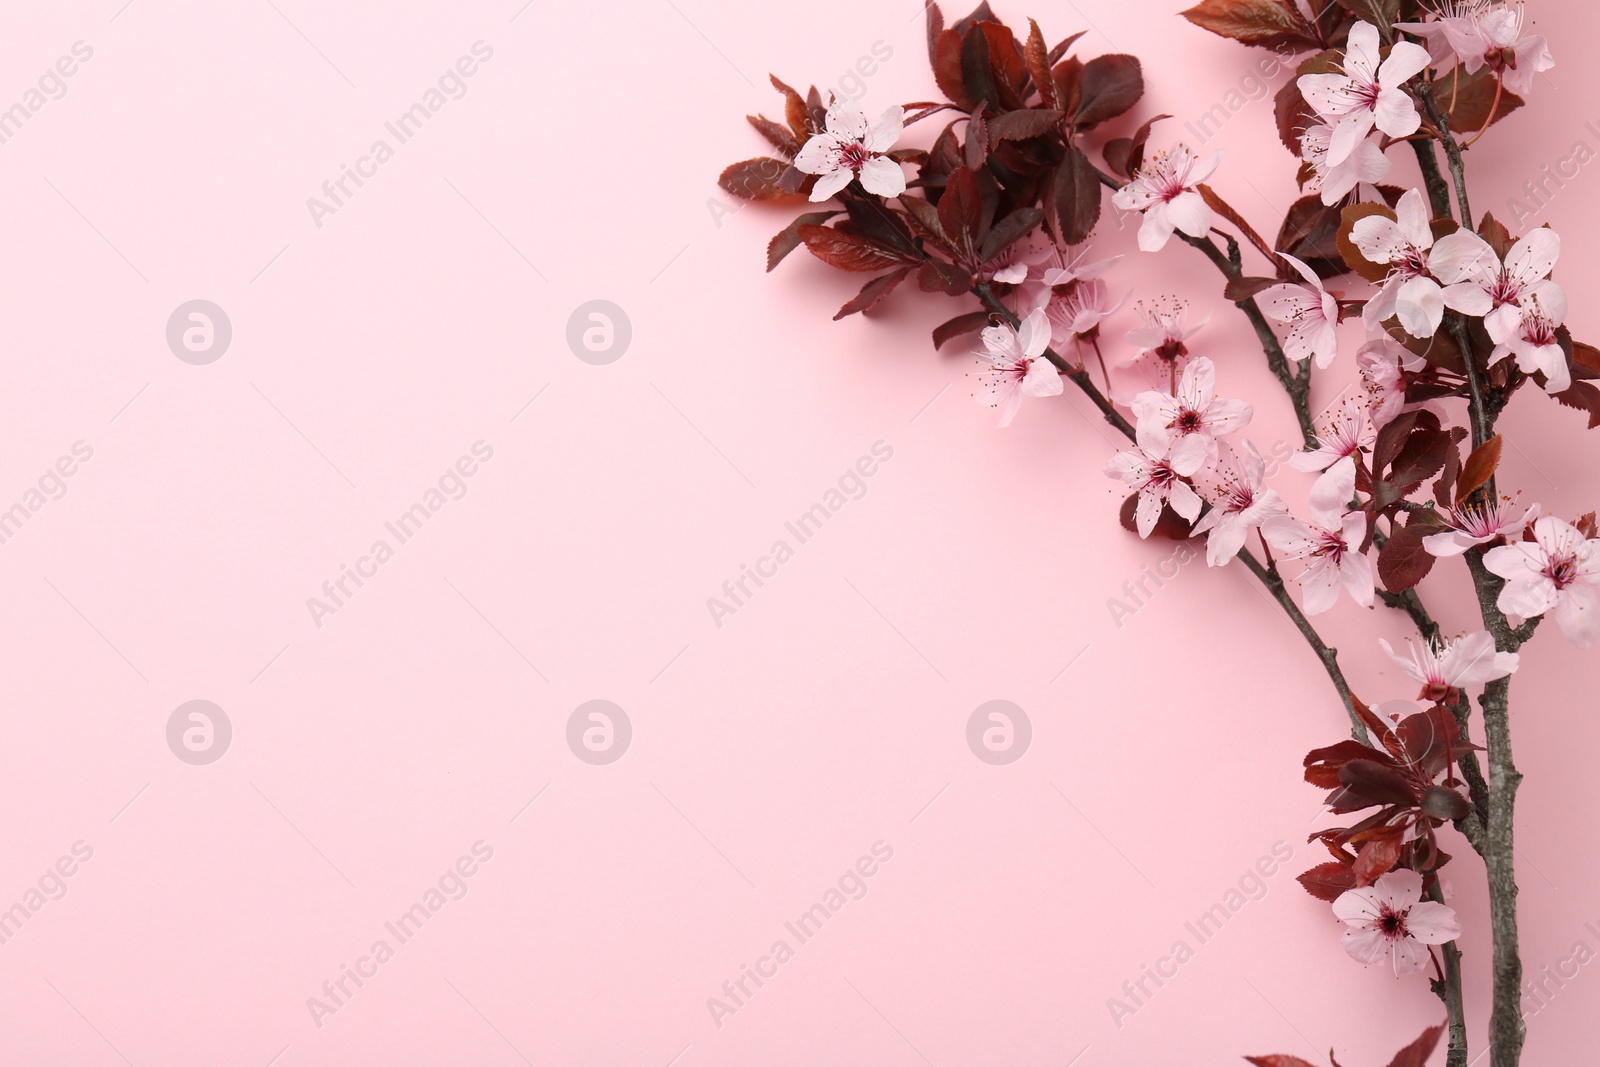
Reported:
(935, 27)
(1038, 61)
(1467, 106)
(947, 70)
(1479, 468)
(1442, 802)
(1008, 230)
(1377, 857)
(1583, 397)
(873, 292)
(1112, 84)
(971, 322)
(1416, 1054)
(846, 249)
(776, 133)
(1170, 525)
(757, 179)
(1403, 562)
(1241, 289)
(788, 239)
(1268, 23)
(1327, 881)
(1023, 124)
(1322, 764)
(937, 276)
(961, 213)
(1377, 782)
(1073, 197)
(1278, 1061)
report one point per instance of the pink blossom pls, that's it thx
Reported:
(1077, 310)
(1164, 331)
(1382, 362)
(1477, 283)
(1535, 343)
(1310, 312)
(1366, 164)
(1368, 93)
(1158, 479)
(1242, 503)
(1558, 571)
(849, 148)
(1348, 433)
(1405, 244)
(1477, 524)
(1390, 919)
(1195, 410)
(1441, 669)
(1060, 266)
(1479, 32)
(1164, 189)
(1017, 366)
(1331, 549)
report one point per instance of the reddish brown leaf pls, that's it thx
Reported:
(1268, 23)
(757, 179)
(873, 292)
(1023, 124)
(1037, 58)
(1377, 857)
(1404, 562)
(1008, 230)
(842, 248)
(937, 276)
(1072, 201)
(788, 239)
(1583, 397)
(935, 27)
(1278, 1061)
(961, 213)
(1323, 764)
(971, 322)
(1468, 105)
(1112, 84)
(794, 109)
(1479, 467)
(1241, 289)
(1495, 234)
(777, 134)
(1327, 881)
(947, 70)
(1416, 1054)
(1225, 209)
(1310, 233)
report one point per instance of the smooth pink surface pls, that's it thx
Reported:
(769, 753)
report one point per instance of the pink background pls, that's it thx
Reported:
(769, 753)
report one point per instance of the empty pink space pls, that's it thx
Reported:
(463, 609)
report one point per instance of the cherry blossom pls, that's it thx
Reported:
(1450, 666)
(1535, 344)
(1389, 919)
(1158, 479)
(1195, 410)
(1477, 283)
(1058, 266)
(1076, 311)
(1404, 243)
(1382, 363)
(1477, 524)
(1330, 546)
(1242, 503)
(1310, 312)
(1164, 332)
(850, 148)
(1348, 433)
(1480, 32)
(1558, 571)
(1017, 365)
(1164, 189)
(1368, 93)
(1366, 164)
